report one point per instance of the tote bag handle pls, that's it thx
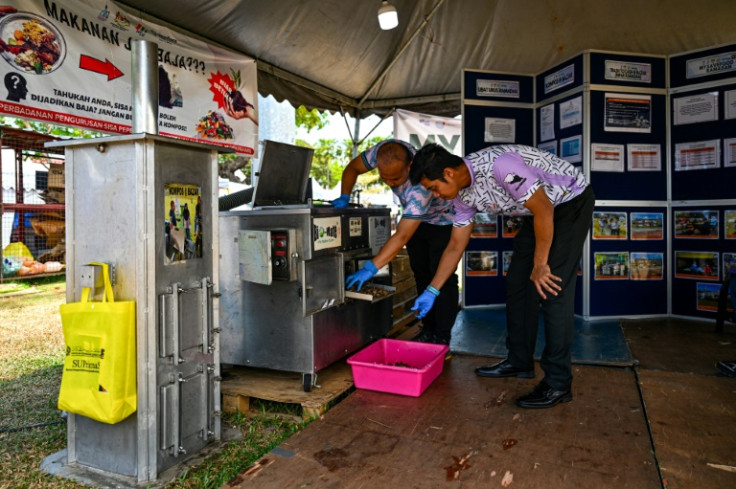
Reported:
(107, 296)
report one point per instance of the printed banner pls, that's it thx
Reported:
(420, 129)
(69, 62)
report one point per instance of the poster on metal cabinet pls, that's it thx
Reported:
(69, 62)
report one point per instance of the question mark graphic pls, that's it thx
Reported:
(16, 81)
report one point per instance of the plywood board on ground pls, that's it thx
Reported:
(693, 423)
(468, 428)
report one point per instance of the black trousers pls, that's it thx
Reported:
(425, 250)
(571, 225)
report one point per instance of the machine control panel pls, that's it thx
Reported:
(280, 255)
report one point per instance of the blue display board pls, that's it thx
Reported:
(499, 87)
(701, 153)
(634, 182)
(709, 65)
(560, 79)
(703, 241)
(628, 261)
(627, 70)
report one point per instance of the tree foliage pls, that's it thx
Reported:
(310, 119)
(332, 155)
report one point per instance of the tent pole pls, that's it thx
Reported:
(356, 136)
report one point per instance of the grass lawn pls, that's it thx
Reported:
(31, 426)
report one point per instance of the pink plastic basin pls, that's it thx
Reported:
(398, 367)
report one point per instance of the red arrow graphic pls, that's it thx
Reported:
(105, 68)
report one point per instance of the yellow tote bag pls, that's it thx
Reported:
(99, 377)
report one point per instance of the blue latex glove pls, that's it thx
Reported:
(361, 276)
(341, 202)
(423, 304)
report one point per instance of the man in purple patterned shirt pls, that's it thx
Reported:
(425, 228)
(556, 205)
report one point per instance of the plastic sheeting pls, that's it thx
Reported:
(331, 54)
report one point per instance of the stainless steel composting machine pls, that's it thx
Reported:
(282, 273)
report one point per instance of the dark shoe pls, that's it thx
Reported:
(727, 368)
(543, 396)
(503, 369)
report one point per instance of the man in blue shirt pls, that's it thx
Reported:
(424, 228)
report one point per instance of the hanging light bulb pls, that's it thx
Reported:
(387, 16)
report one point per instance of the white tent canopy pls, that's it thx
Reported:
(332, 55)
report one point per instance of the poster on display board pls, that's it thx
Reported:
(696, 224)
(729, 223)
(644, 157)
(646, 266)
(484, 225)
(607, 157)
(701, 265)
(699, 155)
(729, 152)
(647, 225)
(695, 108)
(611, 265)
(481, 263)
(609, 225)
(706, 296)
(627, 112)
(507, 256)
(69, 62)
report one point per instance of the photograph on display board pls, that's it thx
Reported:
(183, 227)
(729, 224)
(485, 225)
(700, 265)
(481, 263)
(647, 225)
(506, 256)
(646, 266)
(696, 224)
(707, 296)
(609, 225)
(511, 225)
(612, 265)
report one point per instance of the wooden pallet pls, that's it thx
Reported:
(241, 385)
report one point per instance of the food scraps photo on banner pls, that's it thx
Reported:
(69, 62)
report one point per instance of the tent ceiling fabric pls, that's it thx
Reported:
(331, 54)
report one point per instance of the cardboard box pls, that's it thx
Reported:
(56, 176)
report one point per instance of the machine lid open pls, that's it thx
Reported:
(283, 176)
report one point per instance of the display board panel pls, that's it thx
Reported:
(627, 261)
(641, 171)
